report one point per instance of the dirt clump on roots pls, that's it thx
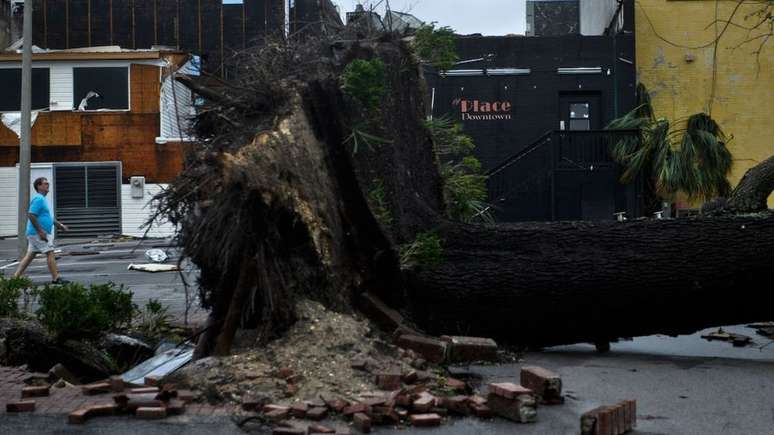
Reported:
(313, 359)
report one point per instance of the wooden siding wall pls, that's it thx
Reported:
(205, 27)
(129, 137)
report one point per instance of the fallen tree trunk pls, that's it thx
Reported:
(284, 209)
(553, 283)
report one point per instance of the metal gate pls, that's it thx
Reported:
(88, 198)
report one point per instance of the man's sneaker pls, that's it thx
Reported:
(60, 281)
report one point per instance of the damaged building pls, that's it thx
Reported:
(110, 123)
(109, 131)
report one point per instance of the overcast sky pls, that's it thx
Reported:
(488, 17)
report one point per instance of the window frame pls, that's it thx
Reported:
(128, 68)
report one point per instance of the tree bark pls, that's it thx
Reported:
(752, 192)
(552, 283)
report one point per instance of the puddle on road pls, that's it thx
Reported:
(761, 349)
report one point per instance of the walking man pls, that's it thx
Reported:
(39, 232)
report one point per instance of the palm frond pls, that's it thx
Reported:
(689, 155)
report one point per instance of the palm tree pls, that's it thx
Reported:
(692, 159)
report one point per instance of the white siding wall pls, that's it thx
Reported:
(135, 211)
(8, 194)
(61, 79)
(175, 101)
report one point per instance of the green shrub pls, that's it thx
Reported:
(424, 252)
(464, 183)
(436, 46)
(448, 137)
(154, 320)
(465, 192)
(11, 289)
(364, 81)
(72, 311)
(377, 198)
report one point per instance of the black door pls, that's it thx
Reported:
(580, 111)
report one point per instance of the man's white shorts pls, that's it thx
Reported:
(42, 246)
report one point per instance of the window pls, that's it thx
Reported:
(105, 88)
(10, 91)
(579, 116)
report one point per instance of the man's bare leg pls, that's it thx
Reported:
(52, 266)
(24, 263)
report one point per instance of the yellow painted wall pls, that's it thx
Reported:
(743, 102)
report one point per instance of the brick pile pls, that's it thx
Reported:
(610, 420)
(408, 405)
(147, 403)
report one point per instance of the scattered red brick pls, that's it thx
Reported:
(356, 408)
(521, 409)
(251, 403)
(20, 406)
(270, 408)
(277, 414)
(98, 388)
(456, 404)
(424, 403)
(144, 390)
(388, 380)
(318, 428)
(610, 420)
(175, 407)
(476, 399)
(185, 395)
(467, 349)
(152, 381)
(151, 413)
(508, 390)
(315, 402)
(41, 391)
(116, 384)
(410, 377)
(359, 364)
(546, 384)
(80, 416)
(334, 403)
(425, 420)
(294, 379)
(316, 413)
(456, 384)
(298, 410)
(443, 412)
(362, 422)
(432, 349)
(481, 411)
(285, 373)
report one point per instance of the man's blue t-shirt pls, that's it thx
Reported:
(39, 207)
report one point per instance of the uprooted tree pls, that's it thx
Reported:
(299, 188)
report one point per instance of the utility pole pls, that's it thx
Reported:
(26, 128)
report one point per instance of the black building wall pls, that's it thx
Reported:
(205, 27)
(535, 97)
(538, 102)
